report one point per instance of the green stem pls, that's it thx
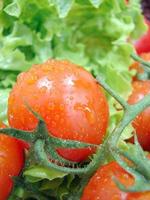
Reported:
(140, 60)
(129, 115)
(69, 143)
(112, 92)
(55, 156)
(42, 158)
(24, 135)
(111, 141)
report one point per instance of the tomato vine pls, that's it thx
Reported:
(43, 145)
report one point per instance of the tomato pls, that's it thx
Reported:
(68, 98)
(141, 122)
(137, 66)
(11, 154)
(102, 187)
(143, 44)
(11, 162)
(6, 185)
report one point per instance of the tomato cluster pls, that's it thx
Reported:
(141, 123)
(102, 186)
(70, 101)
(73, 106)
(140, 89)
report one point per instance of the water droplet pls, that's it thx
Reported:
(45, 83)
(88, 112)
(32, 80)
(89, 115)
(69, 81)
(57, 117)
(61, 107)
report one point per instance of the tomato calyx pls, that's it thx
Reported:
(43, 146)
(42, 142)
(135, 161)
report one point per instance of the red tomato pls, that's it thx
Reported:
(143, 44)
(11, 154)
(11, 162)
(6, 185)
(102, 187)
(24, 144)
(68, 98)
(142, 121)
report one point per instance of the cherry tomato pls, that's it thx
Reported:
(11, 154)
(11, 162)
(6, 185)
(68, 98)
(102, 187)
(142, 121)
(143, 44)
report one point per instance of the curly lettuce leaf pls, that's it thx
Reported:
(3, 104)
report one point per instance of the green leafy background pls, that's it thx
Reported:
(91, 33)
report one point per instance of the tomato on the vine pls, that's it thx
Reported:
(68, 98)
(11, 162)
(102, 186)
(142, 122)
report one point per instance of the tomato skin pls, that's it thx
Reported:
(11, 154)
(74, 154)
(141, 122)
(24, 144)
(67, 97)
(143, 44)
(102, 187)
(11, 162)
(6, 185)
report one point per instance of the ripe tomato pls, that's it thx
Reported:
(102, 187)
(143, 44)
(141, 122)
(6, 185)
(69, 100)
(11, 154)
(11, 162)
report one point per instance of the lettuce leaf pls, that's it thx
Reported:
(37, 173)
(3, 104)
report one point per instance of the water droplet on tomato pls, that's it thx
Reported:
(61, 107)
(89, 115)
(45, 83)
(69, 81)
(57, 117)
(71, 97)
(87, 111)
